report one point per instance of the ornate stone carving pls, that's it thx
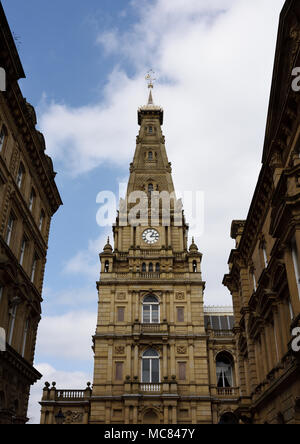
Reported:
(120, 350)
(180, 296)
(73, 417)
(181, 350)
(121, 296)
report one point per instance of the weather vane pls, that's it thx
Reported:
(150, 77)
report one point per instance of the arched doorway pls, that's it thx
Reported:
(150, 417)
(228, 418)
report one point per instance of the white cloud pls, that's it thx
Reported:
(86, 262)
(64, 380)
(215, 62)
(67, 336)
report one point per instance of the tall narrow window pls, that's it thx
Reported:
(296, 265)
(23, 250)
(106, 267)
(121, 314)
(254, 281)
(119, 371)
(34, 268)
(291, 310)
(42, 218)
(150, 367)
(150, 310)
(144, 268)
(264, 253)
(1, 293)
(150, 268)
(150, 188)
(20, 175)
(157, 268)
(13, 314)
(150, 155)
(2, 137)
(150, 129)
(224, 363)
(9, 229)
(32, 199)
(180, 314)
(182, 371)
(25, 337)
(194, 266)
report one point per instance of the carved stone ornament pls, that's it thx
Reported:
(73, 417)
(179, 296)
(120, 350)
(181, 350)
(121, 296)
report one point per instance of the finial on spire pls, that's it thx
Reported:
(150, 77)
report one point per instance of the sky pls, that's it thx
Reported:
(85, 65)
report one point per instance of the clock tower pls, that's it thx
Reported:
(150, 345)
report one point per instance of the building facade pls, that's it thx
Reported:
(158, 358)
(264, 267)
(28, 200)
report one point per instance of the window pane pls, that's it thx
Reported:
(155, 370)
(146, 370)
(146, 314)
(215, 323)
(155, 313)
(182, 371)
(180, 314)
(119, 371)
(224, 323)
(121, 316)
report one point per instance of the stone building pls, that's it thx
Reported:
(158, 359)
(28, 200)
(264, 267)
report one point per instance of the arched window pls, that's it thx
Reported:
(194, 266)
(150, 367)
(150, 188)
(150, 268)
(157, 268)
(150, 310)
(144, 268)
(224, 364)
(106, 267)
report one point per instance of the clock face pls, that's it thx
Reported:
(150, 236)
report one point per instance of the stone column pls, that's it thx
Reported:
(166, 414)
(128, 360)
(136, 360)
(174, 414)
(165, 361)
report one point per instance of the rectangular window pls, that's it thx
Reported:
(180, 314)
(9, 230)
(2, 139)
(121, 314)
(25, 337)
(23, 250)
(146, 314)
(20, 175)
(155, 314)
(31, 199)
(146, 370)
(119, 371)
(42, 218)
(296, 265)
(12, 324)
(34, 267)
(182, 371)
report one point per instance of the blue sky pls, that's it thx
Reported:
(85, 64)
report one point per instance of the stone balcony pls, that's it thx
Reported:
(225, 392)
(144, 388)
(65, 395)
